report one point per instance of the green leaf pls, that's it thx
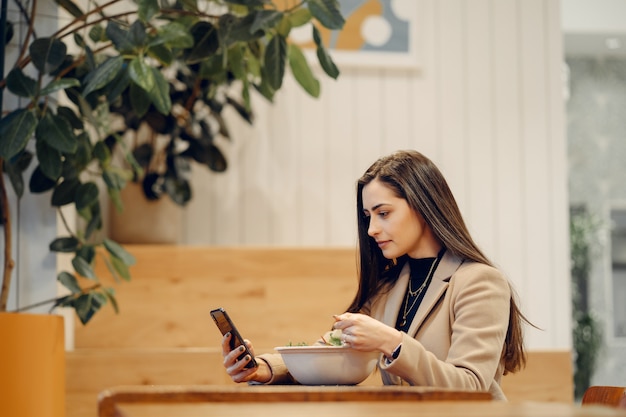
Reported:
(141, 74)
(65, 192)
(103, 74)
(20, 84)
(324, 58)
(116, 199)
(86, 195)
(300, 17)
(239, 29)
(83, 268)
(137, 34)
(116, 250)
(174, 35)
(178, 189)
(139, 100)
(50, 160)
(160, 93)
(70, 282)
(69, 115)
(87, 252)
(97, 33)
(275, 56)
(110, 294)
(120, 38)
(102, 152)
(113, 180)
(161, 53)
(120, 267)
(148, 9)
(327, 12)
(57, 85)
(39, 182)
(87, 305)
(64, 244)
(70, 7)
(15, 167)
(236, 61)
(57, 132)
(15, 130)
(284, 27)
(206, 42)
(47, 54)
(94, 217)
(266, 19)
(117, 87)
(302, 72)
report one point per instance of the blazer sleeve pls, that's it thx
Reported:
(477, 302)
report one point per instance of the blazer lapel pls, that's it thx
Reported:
(393, 299)
(447, 266)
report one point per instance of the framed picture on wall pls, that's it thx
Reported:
(376, 33)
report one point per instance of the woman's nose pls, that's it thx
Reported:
(372, 229)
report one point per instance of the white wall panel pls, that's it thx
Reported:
(452, 91)
(342, 173)
(485, 105)
(479, 107)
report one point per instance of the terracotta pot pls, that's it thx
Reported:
(32, 358)
(144, 221)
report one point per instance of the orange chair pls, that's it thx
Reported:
(605, 395)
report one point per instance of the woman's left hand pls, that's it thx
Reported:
(361, 332)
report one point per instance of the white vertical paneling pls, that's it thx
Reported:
(509, 251)
(342, 173)
(423, 86)
(481, 179)
(313, 195)
(561, 335)
(225, 193)
(452, 95)
(255, 176)
(536, 163)
(284, 121)
(368, 109)
(396, 111)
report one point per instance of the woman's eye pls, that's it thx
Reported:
(383, 213)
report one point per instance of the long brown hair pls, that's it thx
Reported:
(415, 178)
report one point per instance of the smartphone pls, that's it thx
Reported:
(225, 324)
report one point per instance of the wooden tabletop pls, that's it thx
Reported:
(148, 397)
(307, 401)
(367, 409)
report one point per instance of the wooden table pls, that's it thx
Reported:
(303, 401)
(216, 400)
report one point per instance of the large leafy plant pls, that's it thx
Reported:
(168, 68)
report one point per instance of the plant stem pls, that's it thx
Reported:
(53, 300)
(7, 271)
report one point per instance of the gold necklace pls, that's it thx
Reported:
(415, 294)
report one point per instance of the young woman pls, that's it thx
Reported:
(428, 299)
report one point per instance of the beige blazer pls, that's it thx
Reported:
(456, 337)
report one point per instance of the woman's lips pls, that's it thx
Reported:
(383, 243)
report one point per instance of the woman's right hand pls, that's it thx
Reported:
(236, 368)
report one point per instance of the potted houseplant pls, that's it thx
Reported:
(152, 63)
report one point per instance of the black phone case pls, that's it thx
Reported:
(225, 325)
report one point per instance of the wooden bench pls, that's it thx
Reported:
(164, 335)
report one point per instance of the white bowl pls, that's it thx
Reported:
(328, 365)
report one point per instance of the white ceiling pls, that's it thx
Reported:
(594, 27)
